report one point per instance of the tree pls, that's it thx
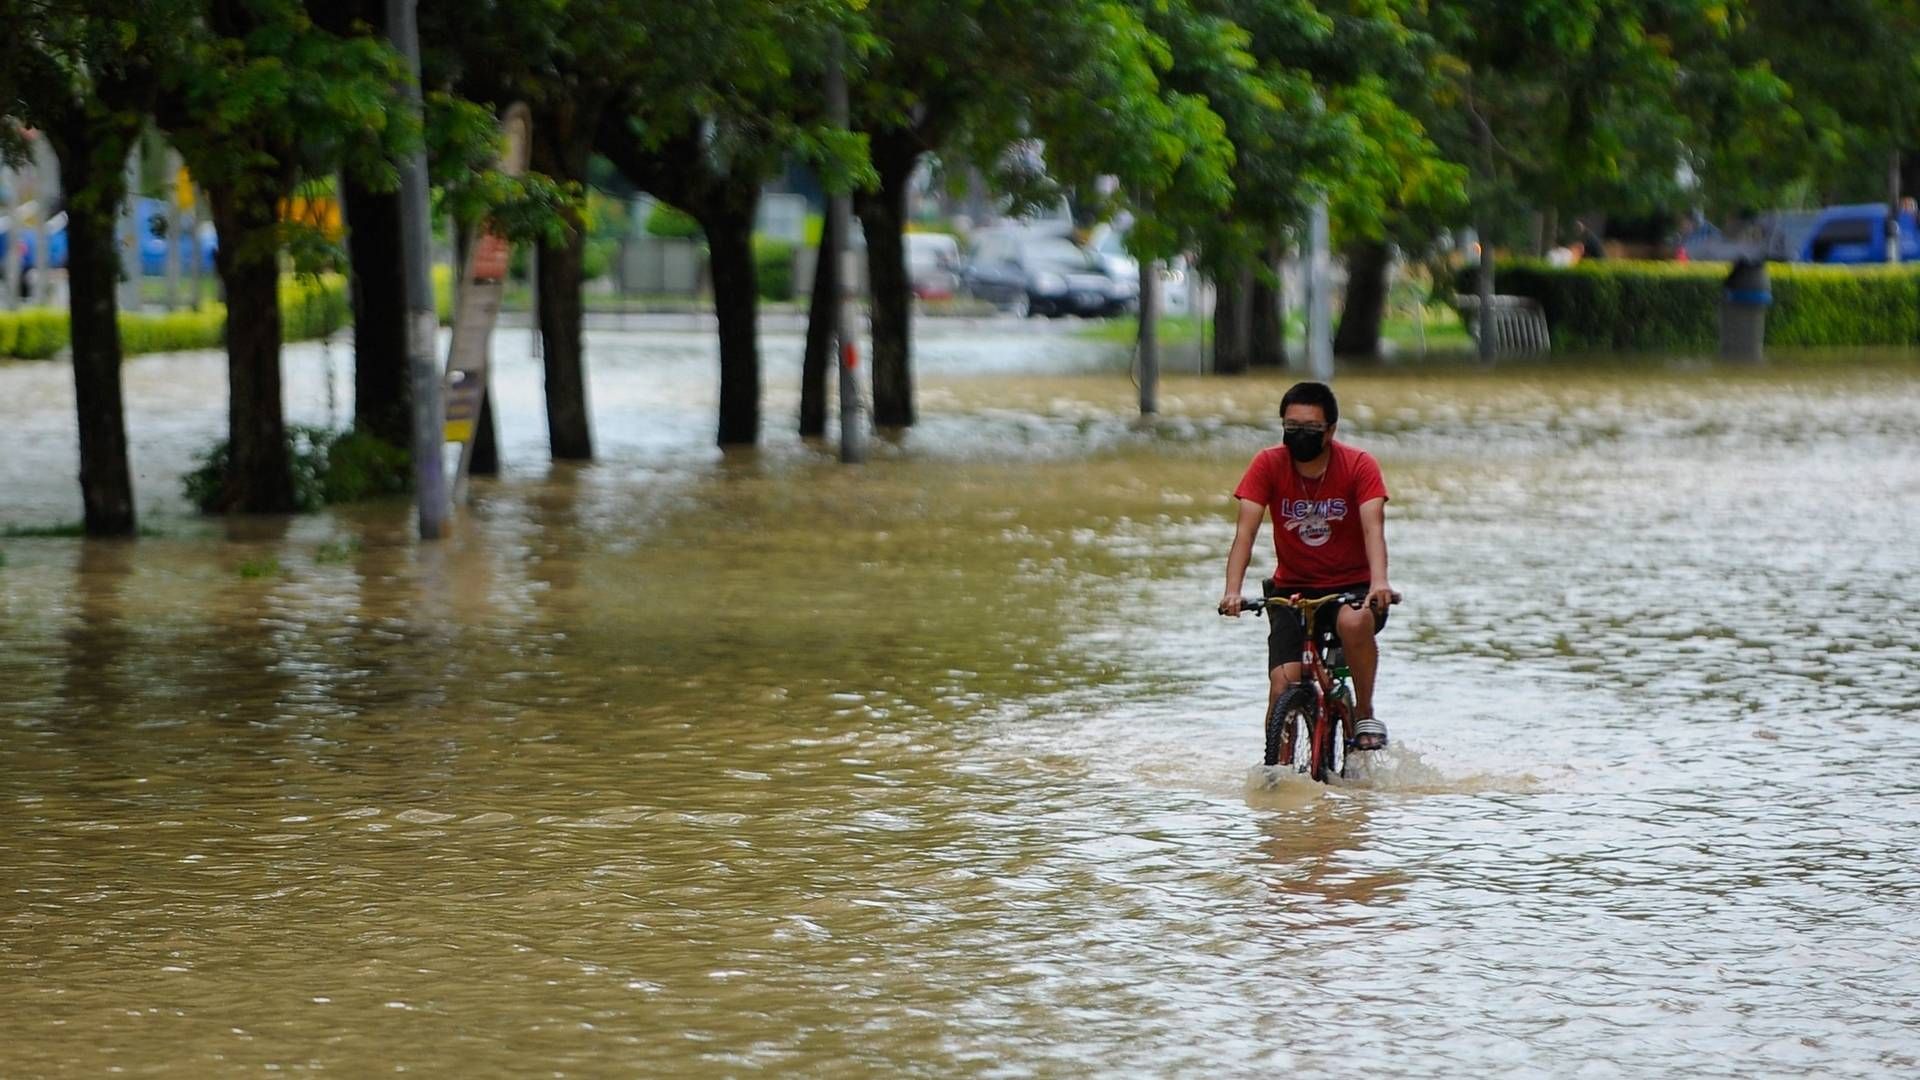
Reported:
(382, 388)
(85, 80)
(732, 93)
(570, 61)
(1043, 99)
(257, 97)
(1553, 104)
(1822, 98)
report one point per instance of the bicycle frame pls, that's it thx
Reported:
(1323, 679)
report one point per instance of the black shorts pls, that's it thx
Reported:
(1283, 625)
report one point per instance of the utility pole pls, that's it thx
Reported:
(11, 256)
(1319, 302)
(1893, 207)
(131, 231)
(174, 235)
(1150, 338)
(416, 236)
(853, 444)
(47, 183)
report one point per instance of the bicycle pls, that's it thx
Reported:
(1306, 717)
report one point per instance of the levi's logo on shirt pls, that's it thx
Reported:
(1311, 519)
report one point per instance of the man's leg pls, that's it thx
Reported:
(1357, 631)
(1279, 681)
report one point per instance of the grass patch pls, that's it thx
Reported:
(1401, 332)
(264, 567)
(65, 529)
(337, 551)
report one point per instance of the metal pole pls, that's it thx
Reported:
(1893, 207)
(47, 183)
(11, 178)
(174, 238)
(1150, 338)
(194, 256)
(853, 445)
(1319, 302)
(416, 238)
(131, 231)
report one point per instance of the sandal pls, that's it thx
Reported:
(1368, 734)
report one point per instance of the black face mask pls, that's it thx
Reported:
(1304, 445)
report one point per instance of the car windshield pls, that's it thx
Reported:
(1059, 255)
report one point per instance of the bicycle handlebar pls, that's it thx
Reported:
(1351, 599)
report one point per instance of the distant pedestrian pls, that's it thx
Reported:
(1588, 240)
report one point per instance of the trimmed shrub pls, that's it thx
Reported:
(1618, 304)
(309, 308)
(673, 223)
(173, 331)
(443, 293)
(773, 268)
(34, 333)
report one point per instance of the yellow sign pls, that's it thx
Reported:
(183, 189)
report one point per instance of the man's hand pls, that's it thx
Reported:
(1380, 597)
(1230, 604)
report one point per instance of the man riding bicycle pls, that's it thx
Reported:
(1329, 506)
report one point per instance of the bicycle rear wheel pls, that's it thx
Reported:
(1290, 729)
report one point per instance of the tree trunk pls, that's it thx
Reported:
(736, 304)
(816, 364)
(560, 272)
(883, 214)
(486, 441)
(1359, 332)
(382, 392)
(1230, 323)
(259, 473)
(1267, 337)
(563, 135)
(93, 275)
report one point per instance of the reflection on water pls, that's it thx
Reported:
(692, 763)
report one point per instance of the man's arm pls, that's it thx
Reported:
(1373, 527)
(1241, 553)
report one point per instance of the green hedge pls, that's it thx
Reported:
(33, 334)
(773, 268)
(1619, 304)
(308, 309)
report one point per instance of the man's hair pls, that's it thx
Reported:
(1312, 393)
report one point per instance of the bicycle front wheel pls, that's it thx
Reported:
(1290, 729)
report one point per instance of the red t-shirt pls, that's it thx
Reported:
(1316, 522)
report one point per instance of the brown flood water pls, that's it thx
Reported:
(683, 764)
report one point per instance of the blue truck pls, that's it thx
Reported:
(1836, 235)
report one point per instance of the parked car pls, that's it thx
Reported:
(1110, 244)
(1840, 235)
(933, 265)
(1032, 273)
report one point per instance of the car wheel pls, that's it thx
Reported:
(1022, 305)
